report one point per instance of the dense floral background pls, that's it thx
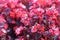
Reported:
(29, 19)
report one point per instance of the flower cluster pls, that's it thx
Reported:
(29, 19)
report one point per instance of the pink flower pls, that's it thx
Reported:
(18, 30)
(35, 28)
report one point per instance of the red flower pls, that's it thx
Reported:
(12, 14)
